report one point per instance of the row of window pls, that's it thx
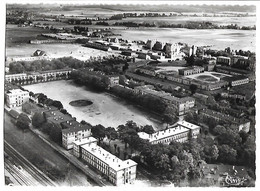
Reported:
(174, 138)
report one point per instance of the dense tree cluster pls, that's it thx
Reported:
(117, 17)
(133, 24)
(89, 79)
(107, 65)
(152, 103)
(205, 25)
(43, 99)
(231, 146)
(23, 121)
(102, 23)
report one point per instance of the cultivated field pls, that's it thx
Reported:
(217, 38)
(18, 35)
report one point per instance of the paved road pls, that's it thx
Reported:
(22, 170)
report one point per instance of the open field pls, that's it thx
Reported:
(169, 68)
(217, 38)
(106, 110)
(208, 77)
(17, 35)
(240, 21)
(57, 51)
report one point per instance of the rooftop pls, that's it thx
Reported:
(234, 78)
(16, 91)
(9, 86)
(57, 117)
(224, 117)
(85, 141)
(74, 126)
(188, 125)
(224, 57)
(191, 68)
(162, 94)
(163, 134)
(113, 161)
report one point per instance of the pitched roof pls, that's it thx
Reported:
(74, 126)
(39, 53)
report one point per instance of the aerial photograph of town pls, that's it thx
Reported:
(114, 95)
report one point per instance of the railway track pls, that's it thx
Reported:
(23, 171)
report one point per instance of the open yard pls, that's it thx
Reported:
(107, 110)
(208, 77)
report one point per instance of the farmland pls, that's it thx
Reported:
(17, 35)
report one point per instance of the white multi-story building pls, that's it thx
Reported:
(77, 151)
(180, 132)
(16, 97)
(119, 172)
(73, 131)
(9, 78)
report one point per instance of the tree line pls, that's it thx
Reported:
(107, 65)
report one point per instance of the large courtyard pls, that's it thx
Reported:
(208, 77)
(106, 109)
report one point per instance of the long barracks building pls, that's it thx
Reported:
(118, 172)
(180, 132)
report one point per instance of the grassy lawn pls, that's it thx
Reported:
(15, 34)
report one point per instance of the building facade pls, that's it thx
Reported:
(180, 132)
(16, 97)
(73, 131)
(240, 124)
(191, 70)
(224, 60)
(117, 171)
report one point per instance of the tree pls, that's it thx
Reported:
(38, 119)
(127, 131)
(115, 145)
(148, 129)
(227, 154)
(55, 133)
(57, 104)
(46, 127)
(193, 88)
(98, 132)
(219, 129)
(163, 163)
(125, 67)
(190, 60)
(194, 173)
(211, 153)
(111, 134)
(23, 121)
